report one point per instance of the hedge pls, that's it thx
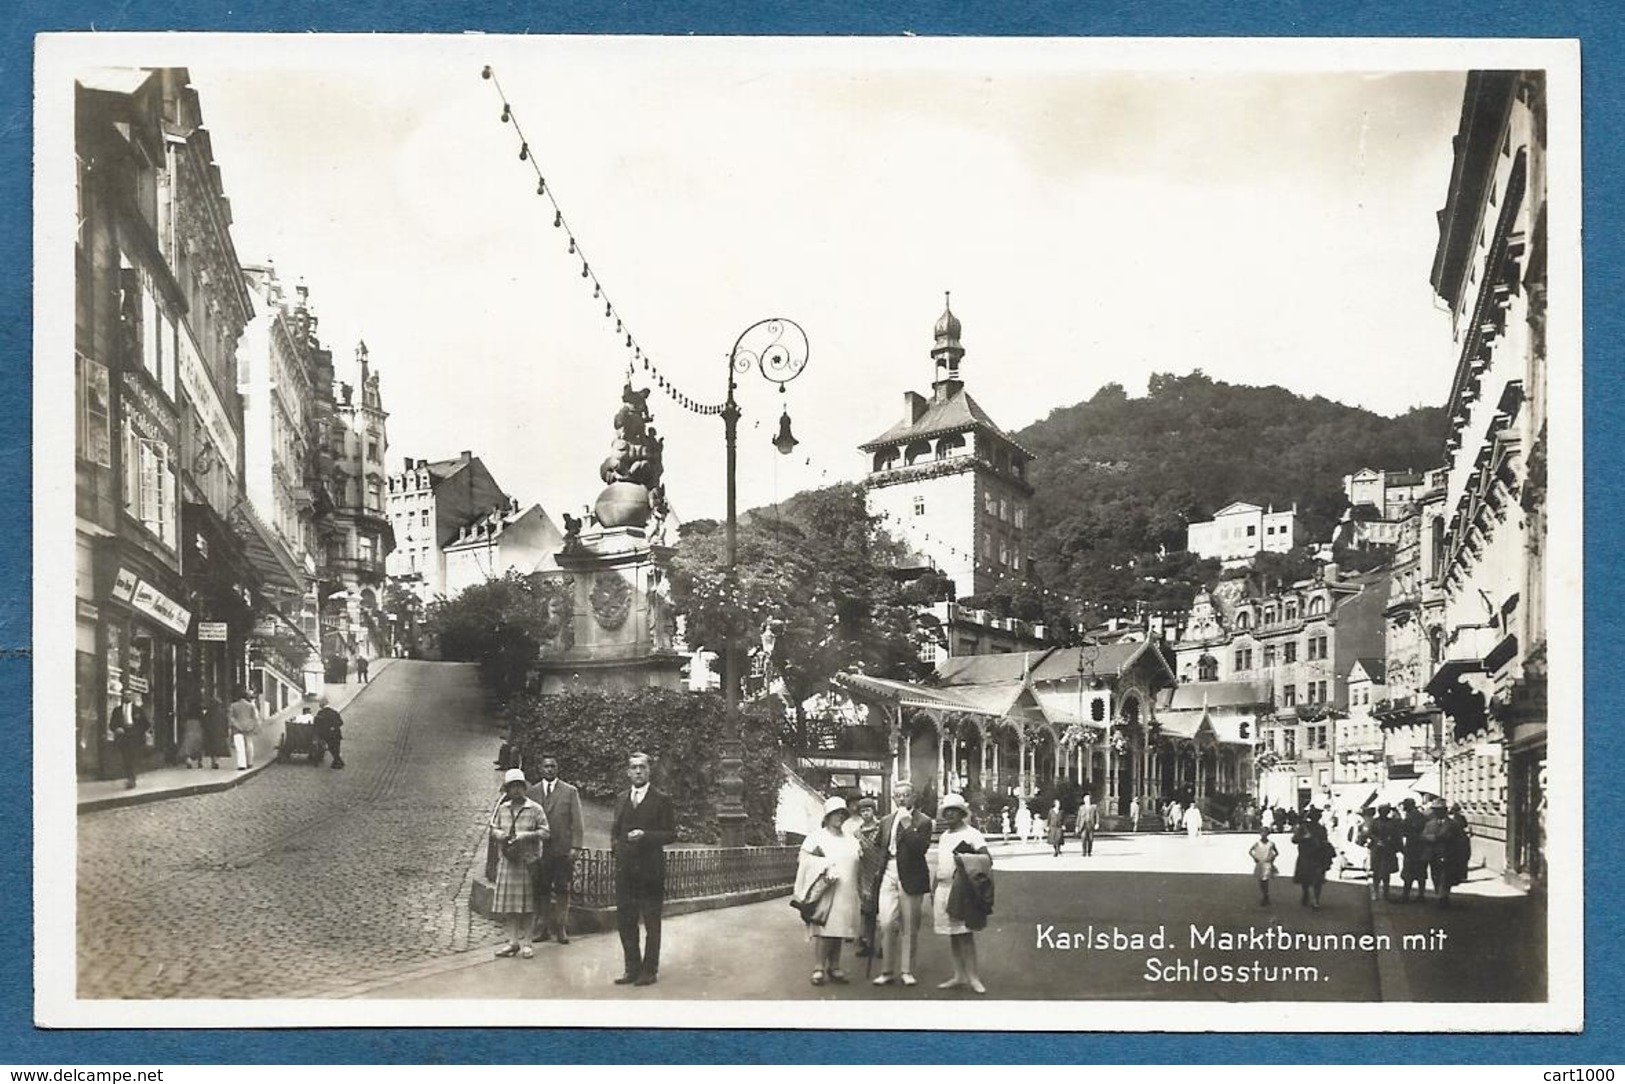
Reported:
(592, 733)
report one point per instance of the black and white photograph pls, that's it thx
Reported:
(933, 533)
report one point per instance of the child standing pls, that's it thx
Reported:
(1263, 854)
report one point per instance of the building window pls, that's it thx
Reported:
(372, 451)
(1207, 668)
(1004, 509)
(1244, 658)
(1289, 652)
(1269, 656)
(1289, 696)
(919, 508)
(1289, 744)
(1317, 605)
(149, 484)
(425, 517)
(1252, 531)
(987, 544)
(990, 504)
(1021, 516)
(1292, 610)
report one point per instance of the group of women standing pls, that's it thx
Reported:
(838, 882)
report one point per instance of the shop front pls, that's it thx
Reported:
(142, 630)
(222, 585)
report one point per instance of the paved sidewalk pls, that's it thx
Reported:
(180, 781)
(1495, 948)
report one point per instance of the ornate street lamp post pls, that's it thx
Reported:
(777, 348)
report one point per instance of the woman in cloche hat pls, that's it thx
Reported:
(518, 827)
(830, 856)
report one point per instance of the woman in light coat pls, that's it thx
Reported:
(832, 855)
(518, 826)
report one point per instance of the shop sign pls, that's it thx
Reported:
(85, 611)
(205, 400)
(151, 417)
(138, 684)
(124, 585)
(212, 630)
(265, 627)
(115, 681)
(159, 606)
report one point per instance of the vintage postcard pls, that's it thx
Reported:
(845, 533)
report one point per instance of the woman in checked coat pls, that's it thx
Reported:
(518, 826)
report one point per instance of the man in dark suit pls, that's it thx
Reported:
(645, 821)
(1089, 820)
(905, 836)
(127, 728)
(562, 804)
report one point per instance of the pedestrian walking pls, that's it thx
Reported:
(830, 858)
(191, 750)
(244, 719)
(215, 732)
(1440, 834)
(518, 826)
(1193, 821)
(865, 828)
(1056, 834)
(1174, 816)
(362, 666)
(1384, 846)
(329, 726)
(1414, 865)
(961, 856)
(1263, 852)
(645, 821)
(561, 802)
(1314, 857)
(905, 881)
(1133, 817)
(1461, 845)
(127, 729)
(1088, 822)
(1024, 820)
(1004, 816)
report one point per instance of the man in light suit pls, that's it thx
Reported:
(905, 836)
(645, 821)
(562, 804)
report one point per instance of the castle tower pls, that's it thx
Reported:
(948, 481)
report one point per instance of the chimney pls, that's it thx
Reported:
(465, 456)
(914, 405)
(410, 463)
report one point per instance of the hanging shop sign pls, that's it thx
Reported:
(137, 684)
(161, 608)
(85, 611)
(115, 681)
(215, 631)
(124, 585)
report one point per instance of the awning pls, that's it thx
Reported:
(266, 552)
(990, 700)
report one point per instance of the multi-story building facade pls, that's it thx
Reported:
(1239, 532)
(948, 482)
(1489, 269)
(1300, 645)
(505, 539)
(1358, 741)
(279, 394)
(428, 504)
(164, 589)
(357, 537)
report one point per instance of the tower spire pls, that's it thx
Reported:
(947, 350)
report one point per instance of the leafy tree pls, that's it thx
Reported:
(503, 624)
(818, 576)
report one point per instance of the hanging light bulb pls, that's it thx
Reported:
(524, 151)
(608, 310)
(558, 219)
(485, 72)
(584, 271)
(507, 112)
(786, 441)
(595, 288)
(572, 248)
(541, 186)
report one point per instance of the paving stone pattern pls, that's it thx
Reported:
(304, 881)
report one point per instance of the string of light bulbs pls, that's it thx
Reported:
(636, 355)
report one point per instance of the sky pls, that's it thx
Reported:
(1098, 215)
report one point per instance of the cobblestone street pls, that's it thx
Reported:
(304, 881)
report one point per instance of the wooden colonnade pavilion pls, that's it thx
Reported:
(1014, 723)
